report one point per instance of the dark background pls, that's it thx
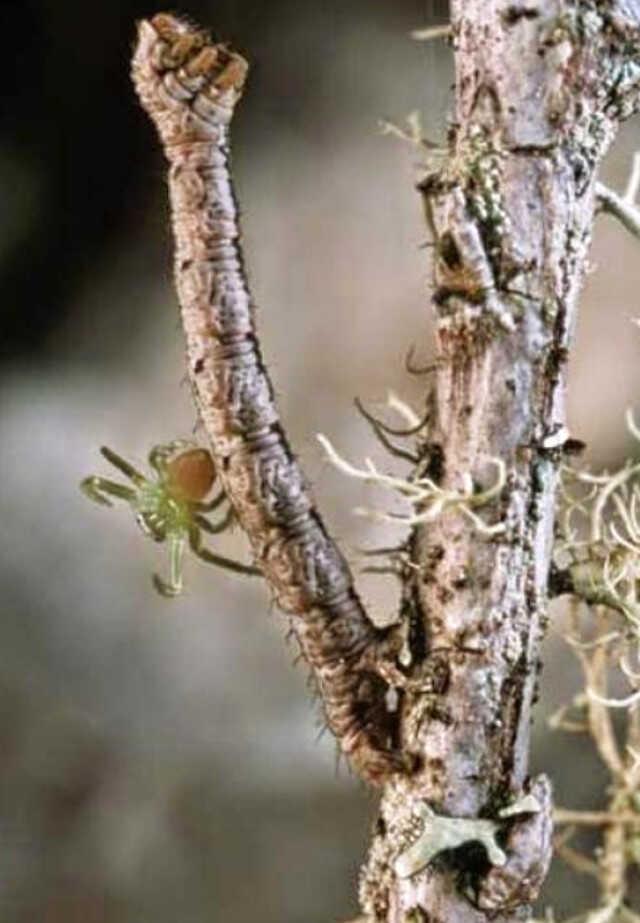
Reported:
(158, 760)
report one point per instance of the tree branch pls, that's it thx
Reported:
(540, 89)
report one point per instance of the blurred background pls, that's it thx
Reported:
(160, 761)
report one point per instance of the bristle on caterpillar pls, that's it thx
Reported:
(189, 87)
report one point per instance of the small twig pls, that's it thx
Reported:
(633, 183)
(380, 431)
(632, 426)
(627, 702)
(601, 641)
(594, 668)
(620, 207)
(416, 369)
(412, 134)
(431, 32)
(383, 571)
(385, 550)
(558, 721)
(401, 407)
(594, 818)
(577, 861)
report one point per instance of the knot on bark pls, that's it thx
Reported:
(528, 850)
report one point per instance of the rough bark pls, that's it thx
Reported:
(463, 834)
(540, 89)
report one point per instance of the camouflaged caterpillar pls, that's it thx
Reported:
(189, 87)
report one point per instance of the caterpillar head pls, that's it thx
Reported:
(188, 84)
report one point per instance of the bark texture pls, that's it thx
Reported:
(540, 90)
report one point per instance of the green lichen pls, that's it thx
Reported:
(440, 834)
(590, 138)
(415, 915)
(482, 170)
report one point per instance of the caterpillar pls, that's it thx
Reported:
(189, 88)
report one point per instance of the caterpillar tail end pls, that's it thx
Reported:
(377, 766)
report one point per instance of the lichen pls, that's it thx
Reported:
(481, 168)
(428, 499)
(411, 835)
(590, 137)
(440, 834)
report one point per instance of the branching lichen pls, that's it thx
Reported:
(443, 833)
(428, 499)
(415, 835)
(601, 648)
(598, 541)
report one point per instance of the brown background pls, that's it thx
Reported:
(159, 760)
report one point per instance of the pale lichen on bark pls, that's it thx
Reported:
(540, 89)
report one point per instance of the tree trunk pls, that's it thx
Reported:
(539, 91)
